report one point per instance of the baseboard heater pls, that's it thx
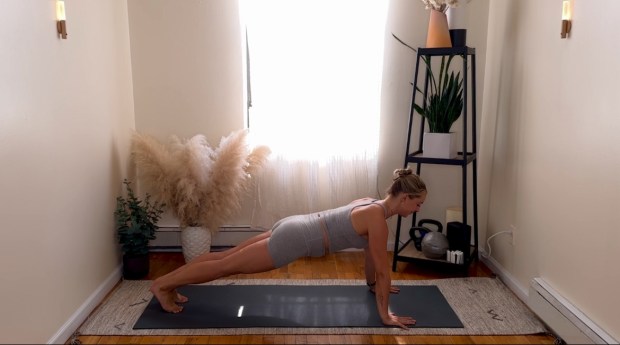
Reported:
(566, 321)
(169, 237)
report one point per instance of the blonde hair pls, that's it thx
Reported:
(405, 181)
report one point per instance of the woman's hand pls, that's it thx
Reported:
(393, 289)
(400, 321)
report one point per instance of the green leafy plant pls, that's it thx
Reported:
(444, 100)
(136, 221)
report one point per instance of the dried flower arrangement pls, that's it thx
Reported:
(202, 186)
(440, 5)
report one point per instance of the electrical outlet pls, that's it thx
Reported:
(513, 234)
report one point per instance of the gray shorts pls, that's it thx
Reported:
(295, 237)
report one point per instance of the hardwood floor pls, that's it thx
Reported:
(343, 265)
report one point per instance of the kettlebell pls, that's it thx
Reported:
(435, 244)
(417, 233)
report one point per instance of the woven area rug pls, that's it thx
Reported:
(484, 305)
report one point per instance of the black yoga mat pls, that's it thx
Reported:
(247, 306)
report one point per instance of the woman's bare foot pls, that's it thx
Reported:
(166, 299)
(180, 298)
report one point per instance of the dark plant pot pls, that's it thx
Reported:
(135, 266)
(458, 37)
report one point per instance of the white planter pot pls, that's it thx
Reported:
(457, 22)
(195, 241)
(440, 145)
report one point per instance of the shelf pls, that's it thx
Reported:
(467, 154)
(409, 252)
(447, 51)
(418, 157)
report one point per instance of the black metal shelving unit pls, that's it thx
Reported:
(467, 155)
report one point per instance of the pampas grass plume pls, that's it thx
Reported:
(155, 166)
(202, 186)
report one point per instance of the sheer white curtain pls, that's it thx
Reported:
(315, 76)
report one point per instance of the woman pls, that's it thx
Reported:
(360, 224)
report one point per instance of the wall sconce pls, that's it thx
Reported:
(61, 19)
(566, 18)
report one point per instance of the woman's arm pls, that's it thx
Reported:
(371, 278)
(369, 270)
(377, 248)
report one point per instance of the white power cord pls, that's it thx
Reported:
(489, 243)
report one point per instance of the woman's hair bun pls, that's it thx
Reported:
(402, 172)
(406, 181)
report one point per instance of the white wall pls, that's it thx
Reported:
(551, 124)
(66, 110)
(187, 68)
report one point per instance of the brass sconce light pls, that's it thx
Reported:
(61, 19)
(566, 18)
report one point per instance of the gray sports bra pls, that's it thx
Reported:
(340, 229)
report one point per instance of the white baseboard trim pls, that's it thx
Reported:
(80, 315)
(508, 279)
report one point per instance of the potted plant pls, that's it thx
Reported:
(441, 107)
(136, 223)
(202, 186)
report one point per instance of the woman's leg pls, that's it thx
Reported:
(251, 258)
(216, 256)
(220, 255)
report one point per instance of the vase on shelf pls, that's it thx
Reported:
(438, 35)
(195, 241)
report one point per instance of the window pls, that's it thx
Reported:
(315, 71)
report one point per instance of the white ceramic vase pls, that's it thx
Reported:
(195, 241)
